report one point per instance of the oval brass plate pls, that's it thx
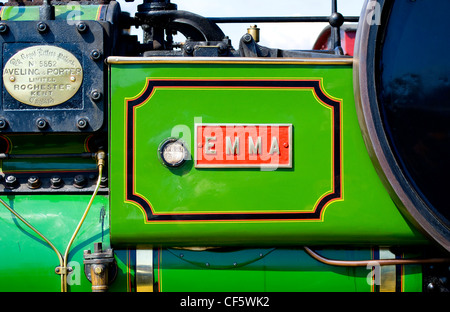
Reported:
(42, 76)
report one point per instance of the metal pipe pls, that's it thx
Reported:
(364, 263)
(100, 162)
(61, 261)
(63, 271)
(31, 156)
(279, 19)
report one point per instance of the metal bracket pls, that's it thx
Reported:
(63, 270)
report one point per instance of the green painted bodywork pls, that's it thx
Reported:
(261, 255)
(365, 215)
(258, 255)
(273, 270)
(27, 263)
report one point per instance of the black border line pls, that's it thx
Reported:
(288, 84)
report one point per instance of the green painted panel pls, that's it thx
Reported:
(272, 270)
(152, 204)
(27, 263)
(62, 12)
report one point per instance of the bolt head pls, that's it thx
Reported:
(33, 182)
(79, 181)
(56, 182)
(11, 182)
(188, 48)
(98, 270)
(104, 182)
(247, 38)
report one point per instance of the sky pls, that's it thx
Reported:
(281, 36)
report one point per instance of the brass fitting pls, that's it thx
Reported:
(101, 158)
(254, 32)
(100, 267)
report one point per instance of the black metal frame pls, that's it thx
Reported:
(83, 105)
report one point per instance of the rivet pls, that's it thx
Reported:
(286, 145)
(95, 54)
(42, 27)
(81, 27)
(41, 123)
(12, 78)
(3, 27)
(3, 123)
(95, 95)
(82, 123)
(73, 78)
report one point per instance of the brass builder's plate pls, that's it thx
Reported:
(42, 75)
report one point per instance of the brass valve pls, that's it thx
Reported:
(254, 31)
(100, 267)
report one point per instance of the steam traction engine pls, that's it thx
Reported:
(152, 165)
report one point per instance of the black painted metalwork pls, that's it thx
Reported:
(402, 95)
(412, 70)
(21, 117)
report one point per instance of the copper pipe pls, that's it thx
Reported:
(100, 163)
(364, 263)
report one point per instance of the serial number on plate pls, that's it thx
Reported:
(42, 76)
